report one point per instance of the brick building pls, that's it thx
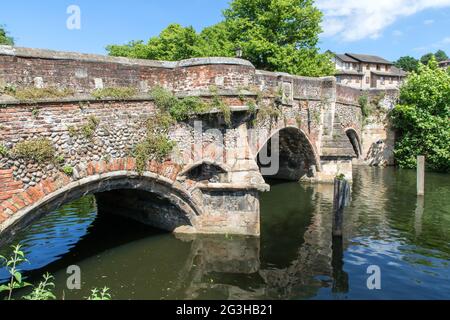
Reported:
(363, 71)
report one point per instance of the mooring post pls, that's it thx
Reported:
(420, 175)
(340, 200)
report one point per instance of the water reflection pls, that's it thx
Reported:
(296, 258)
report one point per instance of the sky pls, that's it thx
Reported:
(388, 28)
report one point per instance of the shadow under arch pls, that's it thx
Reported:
(355, 141)
(160, 187)
(296, 155)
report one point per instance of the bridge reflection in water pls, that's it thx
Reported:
(295, 258)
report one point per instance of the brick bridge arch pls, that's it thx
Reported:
(297, 155)
(102, 178)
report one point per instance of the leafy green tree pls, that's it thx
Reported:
(275, 35)
(407, 63)
(279, 35)
(423, 118)
(441, 55)
(173, 43)
(426, 58)
(4, 38)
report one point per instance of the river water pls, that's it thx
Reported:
(386, 229)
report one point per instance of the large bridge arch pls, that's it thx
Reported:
(296, 155)
(152, 184)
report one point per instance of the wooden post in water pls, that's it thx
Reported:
(420, 175)
(340, 200)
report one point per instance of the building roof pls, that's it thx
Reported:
(368, 58)
(444, 62)
(346, 58)
(398, 71)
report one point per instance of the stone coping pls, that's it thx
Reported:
(62, 55)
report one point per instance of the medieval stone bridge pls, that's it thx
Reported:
(281, 126)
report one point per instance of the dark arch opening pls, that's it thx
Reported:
(295, 155)
(206, 171)
(355, 141)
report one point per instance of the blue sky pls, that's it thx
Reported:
(390, 28)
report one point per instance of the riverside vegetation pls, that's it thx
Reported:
(44, 289)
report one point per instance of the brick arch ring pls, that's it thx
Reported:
(50, 198)
(312, 148)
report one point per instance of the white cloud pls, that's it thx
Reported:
(441, 44)
(397, 33)
(352, 20)
(428, 22)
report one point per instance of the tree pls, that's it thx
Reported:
(422, 118)
(426, 58)
(279, 35)
(407, 63)
(441, 55)
(275, 35)
(173, 43)
(4, 38)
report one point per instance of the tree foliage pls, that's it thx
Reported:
(423, 118)
(275, 35)
(407, 63)
(439, 55)
(4, 38)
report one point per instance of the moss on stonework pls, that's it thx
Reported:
(180, 109)
(87, 130)
(38, 150)
(68, 170)
(41, 93)
(120, 93)
(218, 104)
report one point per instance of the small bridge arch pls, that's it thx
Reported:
(297, 155)
(355, 140)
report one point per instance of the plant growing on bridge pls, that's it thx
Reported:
(180, 109)
(42, 93)
(68, 170)
(120, 93)
(219, 104)
(89, 128)
(38, 150)
(4, 152)
(422, 119)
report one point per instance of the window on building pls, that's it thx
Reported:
(338, 79)
(391, 80)
(367, 80)
(382, 80)
(368, 67)
(378, 67)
